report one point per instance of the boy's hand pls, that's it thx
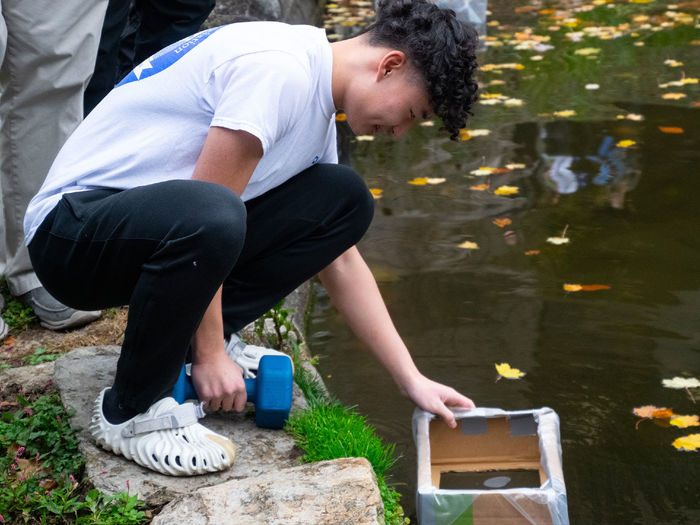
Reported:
(219, 383)
(435, 397)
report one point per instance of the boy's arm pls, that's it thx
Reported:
(354, 292)
(229, 158)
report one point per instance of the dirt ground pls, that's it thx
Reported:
(108, 330)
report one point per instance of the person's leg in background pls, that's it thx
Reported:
(48, 61)
(132, 33)
(294, 231)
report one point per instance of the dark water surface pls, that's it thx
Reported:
(633, 217)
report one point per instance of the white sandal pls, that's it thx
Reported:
(248, 356)
(166, 438)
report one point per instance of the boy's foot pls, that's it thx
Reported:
(248, 356)
(166, 438)
(55, 315)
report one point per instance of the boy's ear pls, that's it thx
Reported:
(391, 61)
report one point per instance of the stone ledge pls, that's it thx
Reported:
(329, 492)
(81, 374)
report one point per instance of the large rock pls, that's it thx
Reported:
(81, 374)
(342, 491)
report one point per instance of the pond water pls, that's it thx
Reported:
(620, 174)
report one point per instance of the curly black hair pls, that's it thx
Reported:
(441, 49)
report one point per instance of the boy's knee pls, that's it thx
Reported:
(356, 199)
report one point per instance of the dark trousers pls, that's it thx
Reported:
(164, 249)
(152, 25)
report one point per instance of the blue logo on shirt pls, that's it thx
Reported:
(315, 160)
(165, 58)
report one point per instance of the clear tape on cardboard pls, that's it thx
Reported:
(438, 506)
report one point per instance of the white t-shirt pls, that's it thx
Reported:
(270, 79)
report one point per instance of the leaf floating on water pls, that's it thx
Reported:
(565, 113)
(631, 116)
(478, 132)
(479, 187)
(689, 443)
(673, 96)
(427, 123)
(469, 245)
(673, 130)
(422, 181)
(464, 135)
(625, 143)
(376, 193)
(558, 240)
(587, 51)
(505, 370)
(513, 102)
(502, 223)
(532, 252)
(515, 166)
(506, 190)
(585, 287)
(650, 411)
(362, 138)
(672, 63)
(685, 421)
(681, 382)
(480, 172)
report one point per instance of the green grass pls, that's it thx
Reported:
(40, 355)
(327, 430)
(41, 471)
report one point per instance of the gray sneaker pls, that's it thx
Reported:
(3, 325)
(55, 315)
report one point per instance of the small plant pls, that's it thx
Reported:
(41, 467)
(41, 355)
(331, 431)
(18, 316)
(283, 326)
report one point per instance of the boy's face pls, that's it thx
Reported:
(390, 102)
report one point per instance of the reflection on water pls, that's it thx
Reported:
(632, 216)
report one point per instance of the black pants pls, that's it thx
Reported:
(152, 25)
(164, 249)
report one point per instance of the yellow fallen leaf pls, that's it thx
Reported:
(362, 138)
(515, 166)
(435, 180)
(572, 287)
(587, 51)
(478, 132)
(673, 63)
(513, 102)
(491, 102)
(625, 143)
(464, 134)
(479, 187)
(631, 116)
(585, 287)
(341, 117)
(419, 181)
(565, 113)
(673, 96)
(505, 370)
(558, 240)
(376, 193)
(482, 171)
(506, 190)
(502, 223)
(469, 245)
(685, 421)
(486, 96)
(532, 252)
(427, 123)
(688, 443)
